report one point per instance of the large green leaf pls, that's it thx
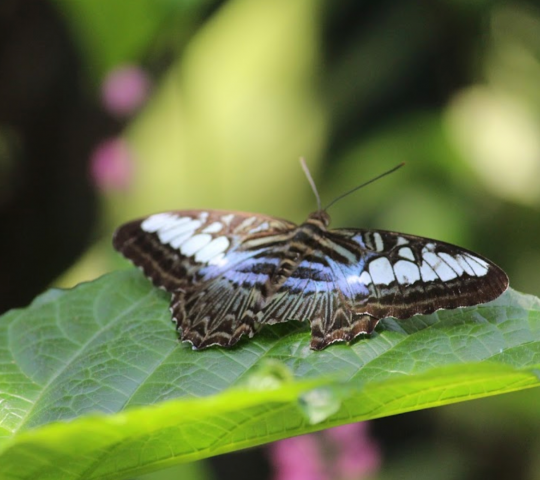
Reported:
(106, 357)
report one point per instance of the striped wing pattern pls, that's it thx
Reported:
(199, 257)
(230, 272)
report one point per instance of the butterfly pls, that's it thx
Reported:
(231, 272)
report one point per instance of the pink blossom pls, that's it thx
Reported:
(298, 458)
(111, 165)
(350, 432)
(340, 453)
(357, 455)
(124, 90)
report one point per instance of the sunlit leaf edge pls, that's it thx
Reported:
(130, 431)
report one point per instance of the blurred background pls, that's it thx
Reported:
(110, 110)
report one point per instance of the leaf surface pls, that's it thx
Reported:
(95, 384)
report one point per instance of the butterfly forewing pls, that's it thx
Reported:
(402, 275)
(173, 247)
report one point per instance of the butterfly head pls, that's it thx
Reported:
(319, 218)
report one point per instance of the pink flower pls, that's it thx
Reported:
(298, 458)
(124, 90)
(111, 165)
(340, 453)
(357, 455)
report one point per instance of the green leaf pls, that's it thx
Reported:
(94, 383)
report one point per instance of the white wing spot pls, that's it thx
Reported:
(261, 227)
(379, 244)
(465, 265)
(183, 225)
(246, 223)
(365, 278)
(428, 274)
(195, 243)
(442, 269)
(406, 272)
(180, 239)
(227, 219)
(203, 216)
(479, 266)
(155, 222)
(175, 222)
(220, 260)
(381, 271)
(428, 247)
(454, 264)
(216, 247)
(402, 241)
(213, 228)
(406, 252)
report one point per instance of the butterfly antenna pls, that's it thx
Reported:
(311, 182)
(392, 170)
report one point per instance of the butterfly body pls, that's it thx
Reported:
(231, 272)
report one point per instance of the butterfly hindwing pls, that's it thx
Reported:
(313, 293)
(223, 308)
